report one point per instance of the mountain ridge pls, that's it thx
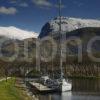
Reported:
(68, 24)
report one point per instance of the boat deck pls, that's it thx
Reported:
(41, 88)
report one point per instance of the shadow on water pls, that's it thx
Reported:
(83, 89)
(86, 85)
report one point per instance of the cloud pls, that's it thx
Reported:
(13, 1)
(62, 6)
(46, 4)
(42, 3)
(19, 3)
(23, 4)
(7, 11)
(79, 4)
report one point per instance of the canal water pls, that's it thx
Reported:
(68, 96)
(83, 89)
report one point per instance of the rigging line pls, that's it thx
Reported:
(60, 38)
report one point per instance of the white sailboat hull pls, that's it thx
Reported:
(65, 86)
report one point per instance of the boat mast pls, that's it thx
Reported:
(60, 39)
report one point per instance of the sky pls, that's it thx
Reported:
(33, 14)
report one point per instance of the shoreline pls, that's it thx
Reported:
(83, 77)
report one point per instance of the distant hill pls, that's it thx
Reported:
(12, 47)
(84, 35)
(85, 30)
(11, 38)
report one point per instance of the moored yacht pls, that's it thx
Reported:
(47, 84)
(64, 85)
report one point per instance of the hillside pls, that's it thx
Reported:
(84, 32)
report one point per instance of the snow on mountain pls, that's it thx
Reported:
(68, 24)
(16, 33)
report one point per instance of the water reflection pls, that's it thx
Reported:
(65, 96)
(68, 96)
(86, 85)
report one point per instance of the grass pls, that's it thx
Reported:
(8, 91)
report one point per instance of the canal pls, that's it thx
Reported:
(83, 89)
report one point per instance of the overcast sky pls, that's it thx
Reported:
(33, 14)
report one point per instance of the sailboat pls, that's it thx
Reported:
(46, 84)
(64, 84)
(59, 85)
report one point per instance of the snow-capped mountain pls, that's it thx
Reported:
(16, 33)
(68, 24)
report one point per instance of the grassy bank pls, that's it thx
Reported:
(8, 91)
